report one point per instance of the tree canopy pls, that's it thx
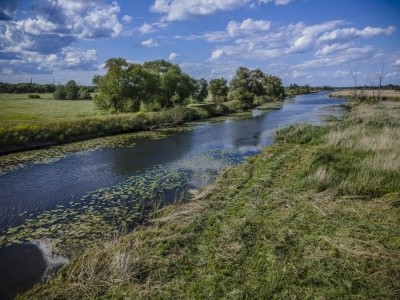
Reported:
(248, 85)
(157, 84)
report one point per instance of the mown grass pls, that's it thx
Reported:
(26, 124)
(17, 109)
(312, 217)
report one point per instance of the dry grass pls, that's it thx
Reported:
(368, 93)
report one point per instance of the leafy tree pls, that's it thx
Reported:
(273, 87)
(59, 94)
(200, 90)
(71, 90)
(248, 85)
(218, 89)
(112, 86)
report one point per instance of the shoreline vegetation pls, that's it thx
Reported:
(367, 94)
(313, 216)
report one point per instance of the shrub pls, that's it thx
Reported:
(34, 96)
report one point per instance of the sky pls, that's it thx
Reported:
(316, 42)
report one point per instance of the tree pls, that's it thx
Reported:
(112, 86)
(354, 76)
(273, 87)
(380, 75)
(218, 89)
(128, 87)
(59, 93)
(71, 90)
(201, 90)
(247, 84)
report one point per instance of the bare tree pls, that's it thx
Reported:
(354, 75)
(380, 75)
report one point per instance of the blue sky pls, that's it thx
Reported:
(312, 42)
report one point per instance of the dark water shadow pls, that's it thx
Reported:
(21, 267)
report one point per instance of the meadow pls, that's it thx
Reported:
(314, 216)
(19, 109)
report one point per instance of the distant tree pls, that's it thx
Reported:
(248, 85)
(201, 90)
(355, 78)
(273, 87)
(380, 76)
(218, 89)
(59, 93)
(84, 94)
(71, 90)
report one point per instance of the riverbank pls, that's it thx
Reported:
(19, 135)
(384, 95)
(314, 216)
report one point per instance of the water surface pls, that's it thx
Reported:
(107, 185)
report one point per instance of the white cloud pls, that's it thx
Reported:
(397, 63)
(305, 39)
(127, 19)
(149, 43)
(346, 34)
(40, 40)
(329, 49)
(146, 28)
(173, 56)
(248, 26)
(217, 54)
(175, 10)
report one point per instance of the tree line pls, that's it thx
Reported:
(158, 84)
(69, 91)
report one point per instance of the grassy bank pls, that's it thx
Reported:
(27, 124)
(367, 94)
(314, 216)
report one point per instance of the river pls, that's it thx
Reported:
(73, 196)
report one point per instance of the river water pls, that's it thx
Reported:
(107, 184)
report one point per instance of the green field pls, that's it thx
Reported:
(315, 216)
(19, 109)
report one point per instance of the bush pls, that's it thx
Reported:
(34, 96)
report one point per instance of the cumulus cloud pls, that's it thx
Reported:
(346, 34)
(149, 43)
(146, 28)
(178, 10)
(51, 28)
(173, 56)
(248, 26)
(69, 58)
(307, 35)
(127, 19)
